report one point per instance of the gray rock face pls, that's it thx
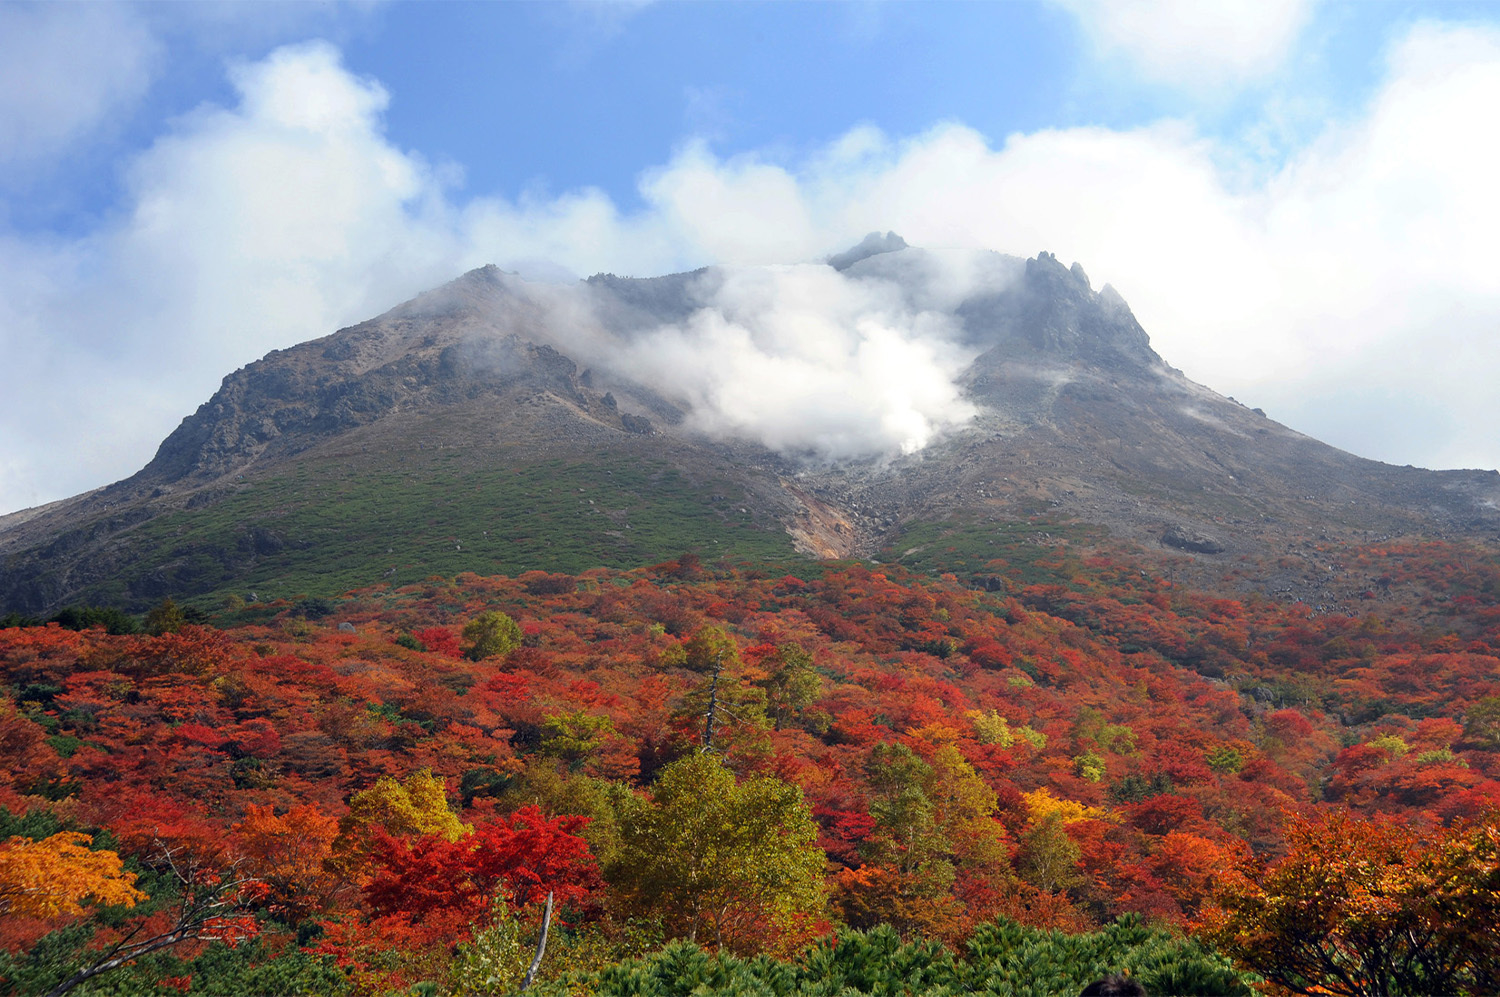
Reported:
(482, 336)
(424, 355)
(871, 245)
(1191, 540)
(1054, 316)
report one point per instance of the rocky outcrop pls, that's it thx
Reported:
(465, 341)
(1054, 316)
(1192, 540)
(873, 244)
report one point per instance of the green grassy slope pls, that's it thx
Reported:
(329, 525)
(1022, 549)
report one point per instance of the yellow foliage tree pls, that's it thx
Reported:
(991, 728)
(416, 805)
(1041, 805)
(54, 876)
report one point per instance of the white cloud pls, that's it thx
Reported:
(1192, 42)
(73, 75)
(1355, 293)
(249, 229)
(65, 68)
(281, 217)
(803, 359)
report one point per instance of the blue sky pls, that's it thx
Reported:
(1296, 198)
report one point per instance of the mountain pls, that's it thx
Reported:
(494, 425)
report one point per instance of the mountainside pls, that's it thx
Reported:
(493, 425)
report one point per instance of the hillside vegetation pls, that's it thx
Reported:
(911, 784)
(323, 526)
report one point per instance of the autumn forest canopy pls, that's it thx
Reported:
(851, 779)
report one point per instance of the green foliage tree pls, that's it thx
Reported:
(252, 966)
(930, 821)
(113, 620)
(709, 648)
(165, 617)
(1091, 726)
(556, 793)
(1482, 724)
(734, 863)
(1048, 858)
(1089, 766)
(907, 834)
(1225, 760)
(964, 806)
(738, 706)
(791, 684)
(739, 709)
(490, 635)
(494, 961)
(574, 735)
(1003, 958)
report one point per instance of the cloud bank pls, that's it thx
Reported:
(1353, 292)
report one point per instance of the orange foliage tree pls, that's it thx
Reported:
(289, 855)
(53, 877)
(1368, 908)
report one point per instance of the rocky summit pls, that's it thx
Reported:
(495, 425)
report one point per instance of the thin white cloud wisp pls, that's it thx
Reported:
(1224, 43)
(65, 68)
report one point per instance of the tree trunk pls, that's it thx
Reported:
(541, 945)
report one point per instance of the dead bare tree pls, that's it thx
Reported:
(541, 945)
(713, 704)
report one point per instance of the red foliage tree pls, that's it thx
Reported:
(429, 879)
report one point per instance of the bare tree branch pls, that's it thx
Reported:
(207, 898)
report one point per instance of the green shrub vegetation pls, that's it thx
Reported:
(332, 525)
(490, 635)
(1004, 959)
(1026, 552)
